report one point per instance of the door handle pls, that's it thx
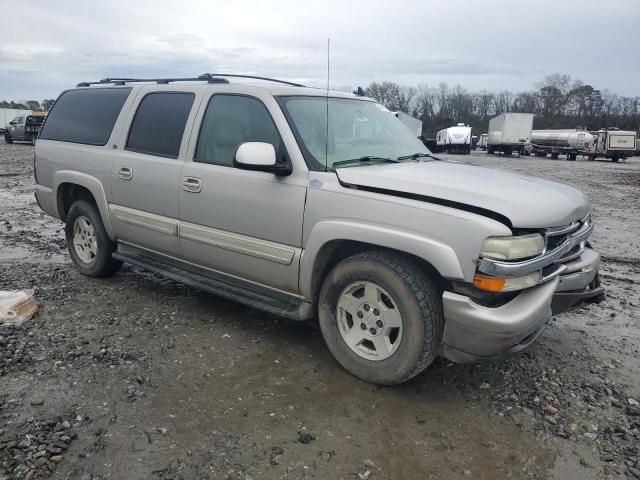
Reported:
(125, 173)
(192, 184)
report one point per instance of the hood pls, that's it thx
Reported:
(527, 202)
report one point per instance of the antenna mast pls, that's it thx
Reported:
(326, 146)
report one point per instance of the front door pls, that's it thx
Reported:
(144, 206)
(17, 129)
(245, 224)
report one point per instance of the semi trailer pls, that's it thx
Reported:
(509, 133)
(571, 142)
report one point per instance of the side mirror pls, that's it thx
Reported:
(12, 123)
(259, 156)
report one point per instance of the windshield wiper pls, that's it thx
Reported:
(415, 156)
(366, 159)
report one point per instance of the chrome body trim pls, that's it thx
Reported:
(157, 223)
(264, 249)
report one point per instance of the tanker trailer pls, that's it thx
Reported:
(570, 142)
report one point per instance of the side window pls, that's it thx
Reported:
(85, 116)
(229, 121)
(20, 120)
(159, 123)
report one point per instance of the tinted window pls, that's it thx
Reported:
(85, 116)
(229, 121)
(159, 123)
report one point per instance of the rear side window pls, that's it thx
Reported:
(159, 124)
(85, 116)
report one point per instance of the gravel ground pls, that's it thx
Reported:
(139, 377)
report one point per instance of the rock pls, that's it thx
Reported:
(305, 438)
(550, 419)
(634, 471)
(632, 411)
(633, 402)
(365, 475)
(276, 455)
(37, 401)
(56, 458)
(369, 464)
(485, 386)
(550, 409)
(326, 456)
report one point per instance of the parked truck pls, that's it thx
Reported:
(8, 114)
(454, 139)
(24, 127)
(572, 142)
(614, 144)
(509, 133)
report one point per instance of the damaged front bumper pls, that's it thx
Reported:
(475, 332)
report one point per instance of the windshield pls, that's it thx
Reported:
(357, 129)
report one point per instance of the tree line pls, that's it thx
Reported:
(34, 105)
(557, 102)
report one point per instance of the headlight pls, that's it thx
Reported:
(512, 248)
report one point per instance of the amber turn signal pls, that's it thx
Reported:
(490, 284)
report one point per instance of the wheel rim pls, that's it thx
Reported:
(85, 242)
(369, 320)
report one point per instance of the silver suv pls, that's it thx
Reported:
(314, 204)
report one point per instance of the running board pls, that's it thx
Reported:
(247, 293)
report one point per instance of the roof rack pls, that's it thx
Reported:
(209, 77)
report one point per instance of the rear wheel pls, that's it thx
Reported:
(615, 159)
(381, 317)
(89, 245)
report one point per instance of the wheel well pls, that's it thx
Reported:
(68, 193)
(335, 251)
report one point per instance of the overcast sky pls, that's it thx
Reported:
(48, 46)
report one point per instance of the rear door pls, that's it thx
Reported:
(144, 206)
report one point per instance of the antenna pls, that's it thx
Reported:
(326, 145)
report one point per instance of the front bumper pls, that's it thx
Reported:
(474, 332)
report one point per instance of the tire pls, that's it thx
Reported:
(92, 257)
(8, 139)
(615, 159)
(409, 298)
(33, 140)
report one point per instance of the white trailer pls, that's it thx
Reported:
(614, 144)
(509, 133)
(454, 139)
(8, 114)
(412, 123)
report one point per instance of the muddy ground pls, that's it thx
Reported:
(137, 377)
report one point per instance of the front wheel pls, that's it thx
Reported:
(381, 317)
(7, 138)
(89, 245)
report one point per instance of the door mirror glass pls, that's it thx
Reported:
(256, 156)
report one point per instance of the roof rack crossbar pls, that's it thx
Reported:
(209, 77)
